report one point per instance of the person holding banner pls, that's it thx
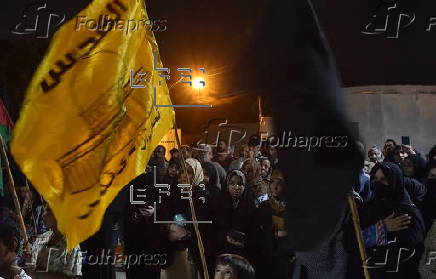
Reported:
(49, 258)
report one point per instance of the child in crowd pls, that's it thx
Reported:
(231, 266)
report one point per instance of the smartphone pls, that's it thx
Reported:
(405, 140)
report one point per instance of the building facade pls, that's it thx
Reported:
(392, 111)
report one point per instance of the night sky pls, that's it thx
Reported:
(217, 35)
(248, 52)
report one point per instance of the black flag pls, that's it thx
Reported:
(291, 64)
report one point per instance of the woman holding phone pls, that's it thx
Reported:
(235, 213)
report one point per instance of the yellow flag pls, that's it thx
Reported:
(84, 131)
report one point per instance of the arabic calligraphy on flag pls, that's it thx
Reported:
(83, 132)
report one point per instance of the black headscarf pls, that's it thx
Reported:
(431, 187)
(428, 205)
(395, 192)
(213, 188)
(175, 161)
(173, 181)
(393, 199)
(211, 172)
(432, 153)
(226, 201)
(388, 199)
(239, 219)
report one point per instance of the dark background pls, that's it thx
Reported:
(216, 36)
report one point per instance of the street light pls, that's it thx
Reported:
(198, 83)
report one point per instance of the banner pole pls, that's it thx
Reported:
(359, 237)
(194, 216)
(11, 185)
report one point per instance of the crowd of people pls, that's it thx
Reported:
(240, 206)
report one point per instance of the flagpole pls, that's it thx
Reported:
(358, 231)
(31, 209)
(259, 104)
(194, 216)
(13, 192)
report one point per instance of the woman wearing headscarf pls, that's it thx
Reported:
(273, 259)
(256, 187)
(201, 198)
(186, 262)
(173, 173)
(402, 154)
(142, 235)
(170, 201)
(403, 247)
(211, 180)
(235, 217)
(411, 168)
(415, 189)
(338, 256)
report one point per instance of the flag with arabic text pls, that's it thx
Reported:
(88, 125)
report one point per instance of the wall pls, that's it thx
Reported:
(394, 111)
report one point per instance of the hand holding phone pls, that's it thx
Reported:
(405, 140)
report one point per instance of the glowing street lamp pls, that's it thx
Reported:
(198, 83)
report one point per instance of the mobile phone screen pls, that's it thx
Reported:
(405, 140)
